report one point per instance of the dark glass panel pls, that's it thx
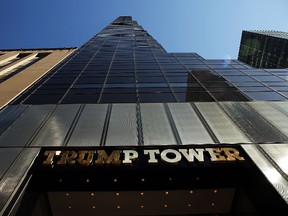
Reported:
(91, 80)
(191, 84)
(189, 89)
(254, 88)
(122, 74)
(178, 79)
(177, 70)
(172, 66)
(128, 79)
(229, 96)
(222, 66)
(118, 98)
(255, 73)
(265, 96)
(147, 67)
(216, 84)
(149, 74)
(230, 72)
(43, 99)
(85, 86)
(206, 76)
(281, 83)
(117, 67)
(119, 85)
(119, 90)
(156, 97)
(239, 78)
(83, 90)
(155, 90)
(188, 62)
(80, 98)
(200, 66)
(147, 85)
(215, 61)
(221, 89)
(268, 78)
(248, 84)
(57, 86)
(65, 75)
(151, 79)
(194, 97)
(238, 66)
(50, 91)
(60, 81)
(175, 74)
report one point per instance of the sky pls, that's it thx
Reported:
(212, 28)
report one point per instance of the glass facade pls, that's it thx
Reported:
(264, 49)
(124, 64)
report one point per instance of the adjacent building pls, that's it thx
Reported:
(264, 49)
(122, 127)
(20, 68)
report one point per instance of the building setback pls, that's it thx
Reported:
(122, 127)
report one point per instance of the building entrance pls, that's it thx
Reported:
(143, 188)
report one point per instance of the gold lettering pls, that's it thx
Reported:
(85, 158)
(114, 158)
(67, 157)
(50, 156)
(171, 156)
(232, 154)
(215, 154)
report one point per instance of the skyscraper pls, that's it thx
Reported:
(121, 127)
(264, 49)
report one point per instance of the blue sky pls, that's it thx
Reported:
(212, 28)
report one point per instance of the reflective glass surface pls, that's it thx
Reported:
(124, 64)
